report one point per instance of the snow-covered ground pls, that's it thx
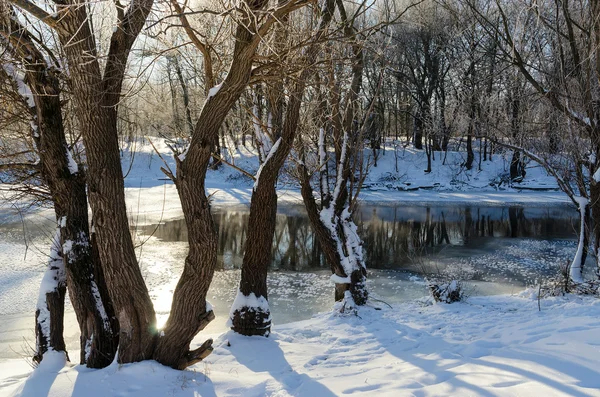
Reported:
(495, 345)
(488, 346)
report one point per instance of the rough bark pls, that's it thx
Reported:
(189, 312)
(67, 188)
(248, 320)
(96, 97)
(261, 226)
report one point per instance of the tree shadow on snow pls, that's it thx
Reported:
(438, 357)
(261, 354)
(39, 382)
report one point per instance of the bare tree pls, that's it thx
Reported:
(189, 313)
(568, 81)
(332, 218)
(250, 314)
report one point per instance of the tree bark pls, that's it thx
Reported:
(67, 185)
(96, 97)
(189, 311)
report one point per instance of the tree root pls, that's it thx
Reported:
(197, 355)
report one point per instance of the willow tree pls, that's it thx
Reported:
(250, 313)
(35, 83)
(189, 313)
(331, 218)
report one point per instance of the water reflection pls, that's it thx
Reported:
(394, 237)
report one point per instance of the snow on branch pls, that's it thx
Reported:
(18, 78)
(269, 157)
(53, 277)
(340, 169)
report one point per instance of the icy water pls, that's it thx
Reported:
(499, 249)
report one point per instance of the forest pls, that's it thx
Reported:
(343, 104)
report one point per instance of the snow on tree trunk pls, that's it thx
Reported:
(50, 308)
(343, 232)
(576, 268)
(324, 180)
(252, 308)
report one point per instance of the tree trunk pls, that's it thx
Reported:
(190, 313)
(577, 265)
(516, 169)
(253, 317)
(470, 155)
(595, 224)
(331, 244)
(418, 131)
(50, 310)
(66, 183)
(96, 98)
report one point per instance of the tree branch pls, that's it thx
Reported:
(49, 19)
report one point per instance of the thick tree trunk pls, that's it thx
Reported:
(67, 188)
(99, 330)
(330, 245)
(190, 313)
(96, 98)
(248, 318)
(250, 313)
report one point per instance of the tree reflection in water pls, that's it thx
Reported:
(393, 236)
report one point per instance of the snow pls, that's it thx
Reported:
(100, 305)
(183, 155)
(67, 247)
(19, 79)
(241, 301)
(581, 117)
(494, 345)
(73, 168)
(575, 270)
(340, 280)
(151, 198)
(53, 277)
(88, 346)
(338, 183)
(489, 346)
(269, 156)
(34, 129)
(213, 91)
(596, 176)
